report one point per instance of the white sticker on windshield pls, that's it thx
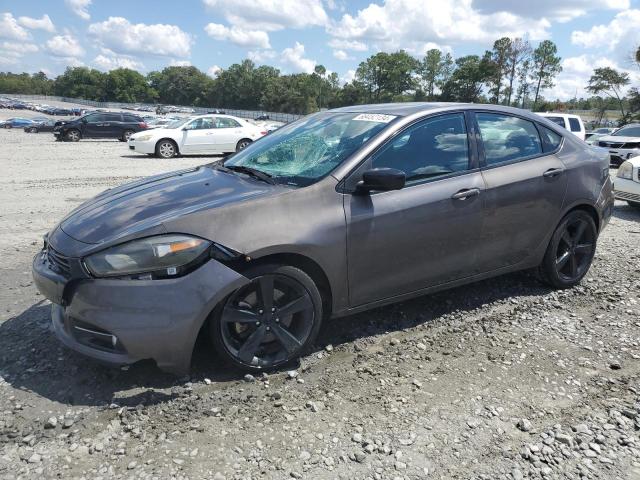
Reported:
(375, 117)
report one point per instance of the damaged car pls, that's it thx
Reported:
(336, 213)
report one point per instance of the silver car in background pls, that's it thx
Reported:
(336, 213)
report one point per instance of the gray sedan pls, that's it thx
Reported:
(336, 213)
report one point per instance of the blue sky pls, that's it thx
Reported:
(294, 35)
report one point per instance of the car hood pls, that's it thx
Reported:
(614, 139)
(143, 206)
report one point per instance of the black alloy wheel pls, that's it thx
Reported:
(570, 251)
(269, 321)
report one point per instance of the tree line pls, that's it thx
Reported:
(511, 73)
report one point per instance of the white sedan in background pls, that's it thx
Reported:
(626, 185)
(204, 134)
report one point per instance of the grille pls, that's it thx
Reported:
(627, 196)
(611, 144)
(58, 262)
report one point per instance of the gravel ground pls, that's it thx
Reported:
(501, 379)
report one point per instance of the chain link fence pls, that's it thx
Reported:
(251, 114)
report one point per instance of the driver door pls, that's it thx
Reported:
(198, 136)
(425, 234)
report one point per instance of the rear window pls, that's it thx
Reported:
(550, 139)
(574, 124)
(113, 117)
(132, 119)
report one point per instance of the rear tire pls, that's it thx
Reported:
(72, 135)
(166, 149)
(242, 144)
(633, 204)
(274, 327)
(33, 130)
(125, 135)
(570, 251)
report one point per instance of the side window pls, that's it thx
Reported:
(224, 122)
(506, 138)
(131, 119)
(574, 124)
(558, 121)
(431, 148)
(550, 139)
(201, 124)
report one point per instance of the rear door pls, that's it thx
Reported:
(525, 187)
(227, 134)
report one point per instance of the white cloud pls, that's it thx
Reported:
(293, 57)
(106, 62)
(64, 46)
(411, 24)
(238, 36)
(348, 45)
(8, 60)
(19, 47)
(123, 37)
(619, 35)
(348, 77)
(260, 56)
(43, 23)
(575, 75)
(214, 71)
(179, 63)
(561, 11)
(69, 61)
(79, 7)
(270, 15)
(9, 28)
(341, 55)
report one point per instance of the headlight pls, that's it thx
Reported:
(142, 138)
(625, 170)
(155, 257)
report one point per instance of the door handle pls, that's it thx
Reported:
(209, 133)
(466, 193)
(553, 172)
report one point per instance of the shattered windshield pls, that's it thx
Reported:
(308, 149)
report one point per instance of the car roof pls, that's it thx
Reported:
(411, 108)
(557, 114)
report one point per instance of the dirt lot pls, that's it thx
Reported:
(501, 379)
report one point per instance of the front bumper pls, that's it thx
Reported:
(142, 147)
(619, 155)
(120, 322)
(626, 189)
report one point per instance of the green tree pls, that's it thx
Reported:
(499, 57)
(467, 80)
(435, 69)
(545, 67)
(610, 82)
(126, 85)
(387, 75)
(524, 85)
(81, 82)
(181, 85)
(519, 52)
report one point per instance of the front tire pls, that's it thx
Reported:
(166, 149)
(33, 130)
(244, 143)
(72, 135)
(270, 321)
(570, 251)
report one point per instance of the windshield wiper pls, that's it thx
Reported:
(259, 174)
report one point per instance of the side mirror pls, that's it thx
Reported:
(381, 179)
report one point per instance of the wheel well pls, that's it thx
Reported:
(171, 140)
(309, 267)
(591, 211)
(242, 140)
